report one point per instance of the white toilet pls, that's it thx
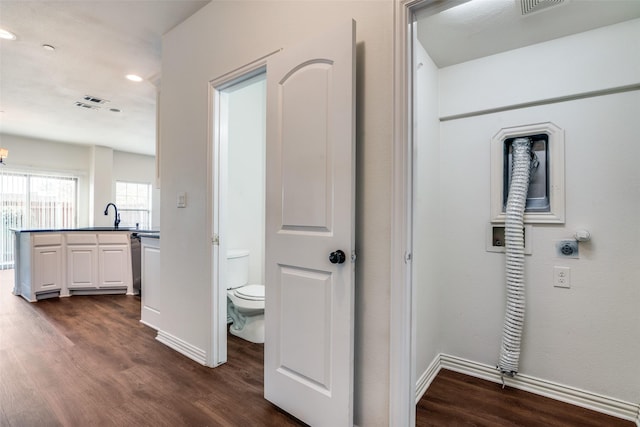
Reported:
(245, 302)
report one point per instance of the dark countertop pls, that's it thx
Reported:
(151, 235)
(55, 230)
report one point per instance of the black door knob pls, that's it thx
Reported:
(337, 257)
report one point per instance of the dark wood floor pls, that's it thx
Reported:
(88, 361)
(455, 399)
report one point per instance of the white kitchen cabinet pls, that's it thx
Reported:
(51, 264)
(40, 272)
(150, 274)
(115, 266)
(47, 269)
(82, 261)
(99, 263)
(82, 267)
(114, 262)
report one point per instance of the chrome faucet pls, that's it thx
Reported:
(116, 220)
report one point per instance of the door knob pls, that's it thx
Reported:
(337, 257)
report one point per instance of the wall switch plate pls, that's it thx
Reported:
(182, 200)
(561, 277)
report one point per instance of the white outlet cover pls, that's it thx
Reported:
(561, 277)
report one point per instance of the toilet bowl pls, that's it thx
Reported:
(245, 302)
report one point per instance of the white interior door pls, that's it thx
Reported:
(309, 215)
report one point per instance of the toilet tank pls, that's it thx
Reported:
(237, 268)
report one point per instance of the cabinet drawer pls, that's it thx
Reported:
(81, 239)
(46, 239)
(113, 238)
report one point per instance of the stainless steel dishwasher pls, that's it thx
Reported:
(135, 263)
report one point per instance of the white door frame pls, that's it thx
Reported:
(401, 340)
(216, 171)
(402, 353)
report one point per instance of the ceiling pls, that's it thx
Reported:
(97, 42)
(479, 28)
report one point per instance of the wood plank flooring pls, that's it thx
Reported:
(88, 361)
(454, 399)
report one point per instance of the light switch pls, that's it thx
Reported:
(182, 199)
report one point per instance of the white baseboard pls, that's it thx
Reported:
(427, 377)
(599, 403)
(191, 351)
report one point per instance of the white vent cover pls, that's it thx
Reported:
(87, 106)
(531, 6)
(95, 99)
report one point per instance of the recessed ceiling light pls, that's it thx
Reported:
(48, 47)
(134, 78)
(6, 34)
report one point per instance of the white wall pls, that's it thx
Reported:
(246, 179)
(579, 63)
(75, 159)
(587, 336)
(218, 39)
(426, 211)
(101, 187)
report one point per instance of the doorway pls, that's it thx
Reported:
(452, 132)
(239, 188)
(309, 224)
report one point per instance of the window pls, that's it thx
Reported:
(134, 204)
(34, 201)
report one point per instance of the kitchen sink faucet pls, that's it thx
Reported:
(116, 220)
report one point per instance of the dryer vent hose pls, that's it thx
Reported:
(514, 248)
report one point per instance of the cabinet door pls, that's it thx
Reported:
(150, 294)
(47, 266)
(115, 266)
(82, 266)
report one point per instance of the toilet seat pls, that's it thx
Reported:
(250, 292)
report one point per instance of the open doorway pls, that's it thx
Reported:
(447, 117)
(239, 209)
(309, 224)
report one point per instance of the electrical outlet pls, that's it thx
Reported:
(561, 277)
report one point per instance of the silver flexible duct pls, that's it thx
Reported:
(514, 247)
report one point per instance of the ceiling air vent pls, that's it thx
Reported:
(532, 6)
(95, 99)
(87, 106)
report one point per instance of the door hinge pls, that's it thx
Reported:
(215, 240)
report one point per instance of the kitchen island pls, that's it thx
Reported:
(66, 262)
